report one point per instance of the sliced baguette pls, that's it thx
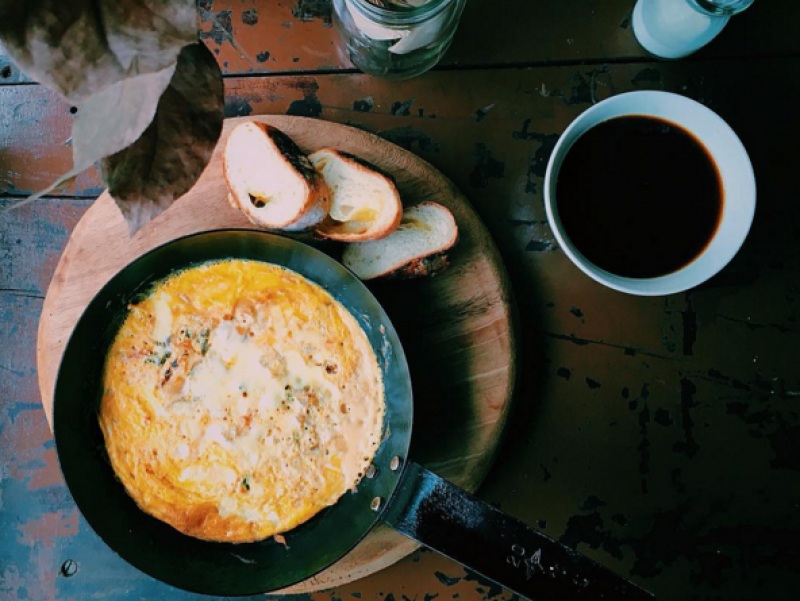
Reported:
(416, 248)
(365, 203)
(271, 181)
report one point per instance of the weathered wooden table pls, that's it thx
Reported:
(661, 436)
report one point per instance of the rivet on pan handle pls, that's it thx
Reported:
(450, 521)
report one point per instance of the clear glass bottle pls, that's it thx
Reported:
(677, 28)
(397, 39)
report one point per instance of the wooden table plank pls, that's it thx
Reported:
(291, 36)
(35, 132)
(31, 240)
(34, 142)
(499, 158)
(658, 435)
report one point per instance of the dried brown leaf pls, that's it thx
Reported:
(166, 161)
(80, 47)
(116, 117)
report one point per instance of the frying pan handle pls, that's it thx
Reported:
(449, 520)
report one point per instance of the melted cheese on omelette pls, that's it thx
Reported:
(239, 400)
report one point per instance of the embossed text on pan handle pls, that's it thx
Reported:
(484, 539)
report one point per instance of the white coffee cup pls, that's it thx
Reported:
(736, 173)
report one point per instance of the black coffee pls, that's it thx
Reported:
(639, 196)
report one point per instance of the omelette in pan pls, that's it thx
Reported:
(239, 400)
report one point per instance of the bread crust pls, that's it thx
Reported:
(317, 197)
(427, 264)
(323, 229)
(423, 267)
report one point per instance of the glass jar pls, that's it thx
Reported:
(397, 39)
(677, 28)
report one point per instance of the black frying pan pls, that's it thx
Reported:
(402, 494)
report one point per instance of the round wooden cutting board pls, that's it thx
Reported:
(457, 328)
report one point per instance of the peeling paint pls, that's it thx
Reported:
(221, 31)
(402, 109)
(364, 105)
(486, 167)
(46, 528)
(238, 107)
(688, 446)
(311, 10)
(250, 17)
(409, 138)
(309, 106)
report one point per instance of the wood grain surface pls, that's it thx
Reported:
(658, 436)
(265, 37)
(457, 328)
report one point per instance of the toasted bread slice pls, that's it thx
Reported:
(365, 203)
(416, 248)
(270, 179)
